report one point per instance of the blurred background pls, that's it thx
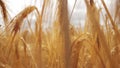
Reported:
(76, 7)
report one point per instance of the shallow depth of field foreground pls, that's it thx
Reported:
(47, 35)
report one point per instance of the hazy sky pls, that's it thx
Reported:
(15, 6)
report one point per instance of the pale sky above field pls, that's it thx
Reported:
(15, 6)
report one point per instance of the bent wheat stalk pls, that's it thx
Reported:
(4, 13)
(115, 27)
(17, 22)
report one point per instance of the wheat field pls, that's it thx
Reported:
(61, 45)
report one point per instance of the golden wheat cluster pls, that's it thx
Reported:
(60, 46)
